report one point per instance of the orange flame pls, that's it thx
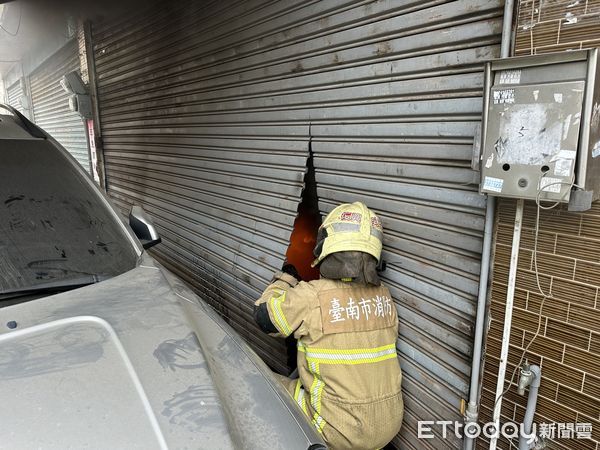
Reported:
(302, 243)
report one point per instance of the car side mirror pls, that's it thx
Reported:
(142, 226)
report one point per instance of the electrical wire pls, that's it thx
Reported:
(545, 296)
(18, 24)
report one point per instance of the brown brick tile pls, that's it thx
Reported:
(527, 321)
(496, 310)
(500, 274)
(571, 291)
(593, 6)
(545, 347)
(554, 308)
(521, 299)
(512, 396)
(527, 280)
(591, 386)
(587, 272)
(525, 13)
(562, 374)
(498, 289)
(552, 10)
(548, 388)
(568, 333)
(590, 224)
(578, 401)
(586, 26)
(506, 208)
(491, 362)
(567, 46)
(582, 418)
(514, 355)
(481, 443)
(549, 48)
(503, 255)
(493, 347)
(519, 413)
(549, 264)
(595, 345)
(557, 220)
(503, 443)
(584, 317)
(572, 444)
(544, 34)
(546, 240)
(553, 411)
(496, 330)
(578, 247)
(499, 292)
(579, 359)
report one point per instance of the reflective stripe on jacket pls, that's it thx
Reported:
(350, 378)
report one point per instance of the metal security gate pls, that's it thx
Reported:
(51, 103)
(14, 94)
(208, 112)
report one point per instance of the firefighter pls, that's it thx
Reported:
(346, 328)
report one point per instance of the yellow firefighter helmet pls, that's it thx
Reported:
(349, 227)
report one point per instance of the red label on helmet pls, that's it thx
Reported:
(376, 223)
(351, 217)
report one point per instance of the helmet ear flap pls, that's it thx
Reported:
(321, 236)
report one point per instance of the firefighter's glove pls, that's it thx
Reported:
(290, 269)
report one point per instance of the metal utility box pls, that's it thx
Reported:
(540, 132)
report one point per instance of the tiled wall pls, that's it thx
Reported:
(568, 347)
(555, 25)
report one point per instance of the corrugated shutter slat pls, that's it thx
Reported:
(206, 113)
(14, 94)
(51, 103)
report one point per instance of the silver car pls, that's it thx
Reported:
(100, 346)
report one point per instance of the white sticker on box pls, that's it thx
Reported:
(493, 184)
(548, 184)
(564, 154)
(504, 96)
(562, 167)
(510, 76)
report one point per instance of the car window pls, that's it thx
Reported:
(53, 226)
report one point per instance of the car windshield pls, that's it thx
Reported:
(53, 226)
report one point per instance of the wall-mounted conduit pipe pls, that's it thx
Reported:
(533, 379)
(472, 413)
(510, 299)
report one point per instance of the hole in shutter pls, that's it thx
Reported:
(306, 225)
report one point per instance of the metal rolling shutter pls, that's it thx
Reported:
(395, 129)
(205, 115)
(14, 94)
(222, 188)
(51, 104)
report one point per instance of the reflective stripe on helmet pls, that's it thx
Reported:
(341, 227)
(349, 227)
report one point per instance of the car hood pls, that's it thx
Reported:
(137, 361)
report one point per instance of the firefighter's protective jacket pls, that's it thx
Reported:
(349, 384)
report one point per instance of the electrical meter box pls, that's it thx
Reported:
(540, 130)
